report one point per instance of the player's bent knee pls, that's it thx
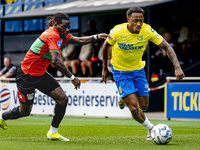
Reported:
(64, 101)
(144, 107)
(132, 108)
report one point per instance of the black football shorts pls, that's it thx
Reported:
(27, 84)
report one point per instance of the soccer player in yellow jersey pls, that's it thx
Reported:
(128, 44)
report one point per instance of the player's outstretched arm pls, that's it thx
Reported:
(57, 62)
(172, 56)
(88, 39)
(105, 59)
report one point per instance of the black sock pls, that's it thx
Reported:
(12, 114)
(59, 114)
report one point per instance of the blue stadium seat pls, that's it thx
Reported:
(1, 10)
(12, 9)
(52, 2)
(1, 14)
(20, 1)
(13, 26)
(33, 24)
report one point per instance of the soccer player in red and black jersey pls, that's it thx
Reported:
(33, 73)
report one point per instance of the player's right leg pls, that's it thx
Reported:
(128, 84)
(133, 105)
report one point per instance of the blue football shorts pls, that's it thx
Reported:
(129, 82)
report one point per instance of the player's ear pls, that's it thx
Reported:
(127, 18)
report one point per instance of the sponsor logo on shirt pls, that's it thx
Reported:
(129, 46)
(59, 44)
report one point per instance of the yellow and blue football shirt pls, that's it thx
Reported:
(128, 48)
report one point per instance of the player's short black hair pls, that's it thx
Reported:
(134, 10)
(57, 18)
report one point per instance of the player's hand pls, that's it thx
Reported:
(104, 36)
(104, 74)
(76, 82)
(179, 73)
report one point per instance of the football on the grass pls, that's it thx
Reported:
(161, 134)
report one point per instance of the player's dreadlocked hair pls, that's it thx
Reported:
(134, 10)
(58, 17)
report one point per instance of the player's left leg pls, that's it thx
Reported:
(59, 111)
(50, 87)
(140, 82)
(144, 103)
(133, 104)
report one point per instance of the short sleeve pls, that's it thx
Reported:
(113, 35)
(155, 37)
(68, 39)
(3, 70)
(13, 70)
(54, 44)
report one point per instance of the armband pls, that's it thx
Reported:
(72, 77)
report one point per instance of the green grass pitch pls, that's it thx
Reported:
(95, 134)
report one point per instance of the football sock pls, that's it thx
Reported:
(12, 114)
(147, 124)
(58, 116)
(53, 130)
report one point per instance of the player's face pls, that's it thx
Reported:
(63, 28)
(135, 22)
(7, 62)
